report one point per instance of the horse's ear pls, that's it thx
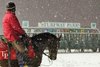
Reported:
(59, 37)
(33, 35)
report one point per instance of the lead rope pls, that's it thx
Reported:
(9, 62)
(50, 61)
(45, 55)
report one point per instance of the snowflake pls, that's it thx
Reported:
(55, 16)
(64, 18)
(42, 7)
(96, 17)
(48, 4)
(19, 13)
(27, 8)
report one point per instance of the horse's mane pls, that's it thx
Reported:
(41, 39)
(42, 35)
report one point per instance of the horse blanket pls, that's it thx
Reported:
(4, 51)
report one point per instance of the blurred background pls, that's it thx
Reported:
(35, 11)
(78, 21)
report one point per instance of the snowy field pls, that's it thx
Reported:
(73, 60)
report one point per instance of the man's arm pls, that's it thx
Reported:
(16, 25)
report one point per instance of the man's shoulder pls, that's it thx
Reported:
(9, 15)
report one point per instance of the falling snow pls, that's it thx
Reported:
(82, 11)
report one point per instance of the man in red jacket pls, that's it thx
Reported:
(12, 29)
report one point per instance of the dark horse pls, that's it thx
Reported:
(40, 42)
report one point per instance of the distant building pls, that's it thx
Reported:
(59, 25)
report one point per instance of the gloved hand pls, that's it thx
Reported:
(26, 39)
(25, 35)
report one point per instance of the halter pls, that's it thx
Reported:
(41, 50)
(46, 55)
(43, 40)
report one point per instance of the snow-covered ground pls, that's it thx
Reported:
(73, 60)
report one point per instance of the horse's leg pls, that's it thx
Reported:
(69, 50)
(4, 63)
(36, 61)
(14, 63)
(40, 59)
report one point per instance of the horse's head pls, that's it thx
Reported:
(53, 48)
(49, 40)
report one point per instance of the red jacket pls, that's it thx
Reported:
(11, 27)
